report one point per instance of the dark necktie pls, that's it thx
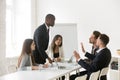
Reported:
(48, 31)
(94, 50)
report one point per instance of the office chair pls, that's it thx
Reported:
(12, 68)
(93, 76)
(103, 72)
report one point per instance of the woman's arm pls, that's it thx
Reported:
(61, 52)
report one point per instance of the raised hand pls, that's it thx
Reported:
(76, 55)
(83, 50)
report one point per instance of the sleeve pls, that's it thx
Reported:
(23, 62)
(83, 64)
(88, 67)
(89, 56)
(50, 52)
(61, 53)
(96, 64)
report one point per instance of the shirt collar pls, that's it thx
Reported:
(46, 26)
(100, 49)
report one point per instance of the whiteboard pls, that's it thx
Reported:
(69, 34)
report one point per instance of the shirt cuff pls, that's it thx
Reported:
(29, 68)
(40, 66)
(85, 53)
(78, 60)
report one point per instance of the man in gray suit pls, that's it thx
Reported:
(41, 39)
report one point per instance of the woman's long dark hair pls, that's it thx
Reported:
(27, 46)
(26, 49)
(53, 41)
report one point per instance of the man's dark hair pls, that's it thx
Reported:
(96, 33)
(104, 38)
(49, 16)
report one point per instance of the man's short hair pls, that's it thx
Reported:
(96, 33)
(50, 16)
(104, 38)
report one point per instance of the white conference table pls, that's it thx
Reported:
(50, 73)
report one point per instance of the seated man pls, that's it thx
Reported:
(100, 60)
(93, 40)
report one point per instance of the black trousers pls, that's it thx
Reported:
(63, 78)
(72, 77)
(103, 77)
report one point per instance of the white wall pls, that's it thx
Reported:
(90, 15)
(2, 29)
(69, 33)
(2, 37)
